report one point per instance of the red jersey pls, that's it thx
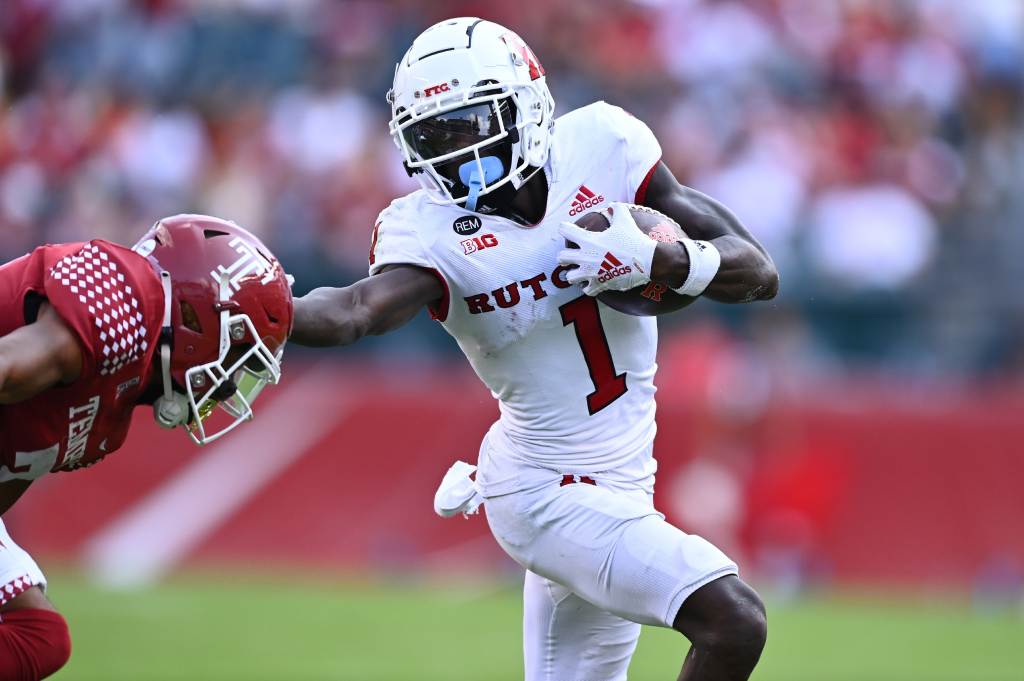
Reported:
(112, 300)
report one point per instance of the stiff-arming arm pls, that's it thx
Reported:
(746, 273)
(371, 306)
(33, 358)
(38, 356)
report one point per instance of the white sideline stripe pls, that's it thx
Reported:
(148, 540)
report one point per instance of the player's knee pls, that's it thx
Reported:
(726, 616)
(745, 627)
(34, 643)
(740, 632)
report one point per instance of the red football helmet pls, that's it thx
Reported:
(227, 316)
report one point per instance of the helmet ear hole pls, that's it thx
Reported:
(189, 318)
(270, 316)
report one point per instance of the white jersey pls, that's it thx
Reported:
(573, 377)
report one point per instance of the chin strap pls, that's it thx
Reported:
(171, 408)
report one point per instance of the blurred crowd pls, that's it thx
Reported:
(875, 146)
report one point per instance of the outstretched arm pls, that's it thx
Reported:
(371, 306)
(38, 356)
(33, 358)
(746, 273)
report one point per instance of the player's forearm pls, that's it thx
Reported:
(328, 317)
(372, 306)
(38, 356)
(20, 380)
(5, 373)
(746, 273)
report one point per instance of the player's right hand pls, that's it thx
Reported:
(616, 259)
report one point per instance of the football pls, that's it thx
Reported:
(651, 298)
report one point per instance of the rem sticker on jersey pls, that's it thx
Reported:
(467, 224)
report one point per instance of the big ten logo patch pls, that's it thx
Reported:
(479, 243)
(250, 261)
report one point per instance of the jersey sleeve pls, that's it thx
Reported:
(99, 297)
(640, 148)
(395, 241)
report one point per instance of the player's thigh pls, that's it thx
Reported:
(18, 575)
(567, 638)
(609, 547)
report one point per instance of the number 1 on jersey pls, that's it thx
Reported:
(585, 317)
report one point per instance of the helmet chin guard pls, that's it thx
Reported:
(170, 409)
(454, 95)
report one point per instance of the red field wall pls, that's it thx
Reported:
(860, 484)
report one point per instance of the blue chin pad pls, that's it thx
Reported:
(469, 173)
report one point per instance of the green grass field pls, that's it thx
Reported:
(297, 628)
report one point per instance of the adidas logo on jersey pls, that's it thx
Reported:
(585, 200)
(612, 267)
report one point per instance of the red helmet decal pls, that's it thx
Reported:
(249, 262)
(436, 89)
(520, 49)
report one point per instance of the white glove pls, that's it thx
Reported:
(457, 492)
(617, 259)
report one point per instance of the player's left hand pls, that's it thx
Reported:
(617, 259)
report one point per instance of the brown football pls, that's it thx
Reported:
(651, 298)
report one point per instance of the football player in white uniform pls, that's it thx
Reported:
(567, 472)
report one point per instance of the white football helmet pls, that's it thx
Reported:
(471, 110)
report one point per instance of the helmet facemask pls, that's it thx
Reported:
(230, 384)
(218, 395)
(466, 146)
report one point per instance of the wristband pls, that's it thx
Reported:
(704, 263)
